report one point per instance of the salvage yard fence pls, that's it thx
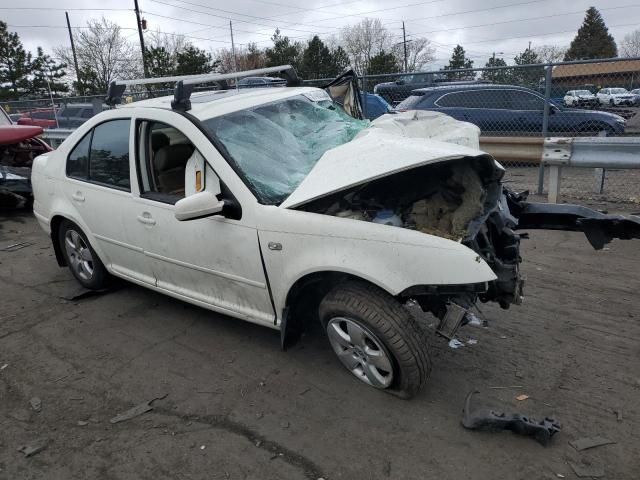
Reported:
(516, 108)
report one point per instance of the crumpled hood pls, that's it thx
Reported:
(391, 144)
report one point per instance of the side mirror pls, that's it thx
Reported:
(198, 205)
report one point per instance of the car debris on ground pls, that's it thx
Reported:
(589, 442)
(135, 411)
(490, 420)
(586, 471)
(34, 448)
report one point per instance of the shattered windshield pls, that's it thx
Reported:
(276, 145)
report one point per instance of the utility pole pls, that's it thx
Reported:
(139, 22)
(233, 53)
(404, 42)
(75, 58)
(233, 48)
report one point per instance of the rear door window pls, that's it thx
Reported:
(491, 99)
(102, 156)
(109, 155)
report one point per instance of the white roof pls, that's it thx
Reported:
(213, 103)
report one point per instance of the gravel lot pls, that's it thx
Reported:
(238, 407)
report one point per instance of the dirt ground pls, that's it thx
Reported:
(238, 407)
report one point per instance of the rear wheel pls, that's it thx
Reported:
(376, 338)
(81, 258)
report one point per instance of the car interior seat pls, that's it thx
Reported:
(170, 162)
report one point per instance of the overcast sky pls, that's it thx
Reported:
(505, 26)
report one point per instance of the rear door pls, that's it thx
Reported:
(528, 112)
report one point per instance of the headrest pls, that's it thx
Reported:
(159, 140)
(172, 156)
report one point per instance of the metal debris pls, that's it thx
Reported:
(135, 411)
(16, 246)
(494, 421)
(588, 471)
(36, 404)
(589, 442)
(35, 448)
(82, 293)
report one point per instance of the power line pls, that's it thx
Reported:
(238, 13)
(69, 9)
(198, 23)
(519, 20)
(228, 18)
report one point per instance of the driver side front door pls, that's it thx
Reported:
(214, 262)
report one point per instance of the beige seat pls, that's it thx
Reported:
(170, 162)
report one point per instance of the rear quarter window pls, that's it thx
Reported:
(78, 159)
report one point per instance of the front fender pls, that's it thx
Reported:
(392, 258)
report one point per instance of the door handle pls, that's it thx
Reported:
(146, 218)
(78, 196)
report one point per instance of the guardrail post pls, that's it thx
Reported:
(545, 123)
(555, 172)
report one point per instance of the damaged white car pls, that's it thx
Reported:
(276, 207)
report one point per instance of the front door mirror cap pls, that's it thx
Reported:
(198, 205)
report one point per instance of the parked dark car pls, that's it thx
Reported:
(259, 82)
(509, 109)
(375, 105)
(398, 90)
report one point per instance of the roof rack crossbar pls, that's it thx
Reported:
(185, 83)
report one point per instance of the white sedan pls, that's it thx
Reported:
(276, 207)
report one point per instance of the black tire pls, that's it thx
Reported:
(612, 103)
(99, 277)
(402, 337)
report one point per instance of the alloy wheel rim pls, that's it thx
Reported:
(79, 254)
(360, 351)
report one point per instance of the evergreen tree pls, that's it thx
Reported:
(160, 62)
(459, 61)
(497, 76)
(15, 63)
(383, 62)
(47, 74)
(529, 76)
(339, 60)
(593, 39)
(283, 52)
(193, 60)
(316, 59)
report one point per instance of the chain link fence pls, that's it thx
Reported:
(590, 98)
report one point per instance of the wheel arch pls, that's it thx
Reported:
(304, 297)
(56, 221)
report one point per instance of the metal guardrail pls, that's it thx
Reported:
(600, 153)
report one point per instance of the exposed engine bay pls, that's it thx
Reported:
(15, 170)
(464, 200)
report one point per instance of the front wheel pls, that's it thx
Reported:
(376, 338)
(81, 258)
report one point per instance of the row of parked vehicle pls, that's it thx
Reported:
(67, 115)
(611, 97)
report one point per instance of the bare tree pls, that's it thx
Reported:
(171, 43)
(104, 54)
(630, 46)
(364, 40)
(248, 58)
(550, 53)
(419, 53)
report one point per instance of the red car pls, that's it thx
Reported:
(19, 145)
(40, 117)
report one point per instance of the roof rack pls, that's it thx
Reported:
(185, 83)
